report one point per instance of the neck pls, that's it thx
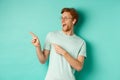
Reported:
(70, 33)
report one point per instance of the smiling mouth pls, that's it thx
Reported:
(64, 25)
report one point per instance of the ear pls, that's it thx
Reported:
(74, 20)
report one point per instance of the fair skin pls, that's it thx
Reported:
(67, 27)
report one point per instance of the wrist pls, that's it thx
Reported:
(38, 46)
(65, 53)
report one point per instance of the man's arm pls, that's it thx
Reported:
(42, 55)
(75, 63)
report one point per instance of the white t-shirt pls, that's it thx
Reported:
(59, 68)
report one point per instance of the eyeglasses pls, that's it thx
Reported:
(65, 18)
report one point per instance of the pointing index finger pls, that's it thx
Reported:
(32, 34)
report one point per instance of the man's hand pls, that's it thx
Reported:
(35, 40)
(59, 49)
(75, 63)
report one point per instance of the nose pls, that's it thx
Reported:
(62, 20)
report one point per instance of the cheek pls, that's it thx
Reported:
(69, 23)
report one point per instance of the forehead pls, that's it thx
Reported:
(66, 14)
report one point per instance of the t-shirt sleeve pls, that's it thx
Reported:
(47, 44)
(83, 50)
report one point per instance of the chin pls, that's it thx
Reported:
(64, 30)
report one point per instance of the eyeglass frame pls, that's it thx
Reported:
(65, 18)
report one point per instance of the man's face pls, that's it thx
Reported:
(67, 21)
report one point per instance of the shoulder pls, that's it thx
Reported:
(79, 39)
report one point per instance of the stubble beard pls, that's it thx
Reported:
(66, 28)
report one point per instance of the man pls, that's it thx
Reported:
(66, 50)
